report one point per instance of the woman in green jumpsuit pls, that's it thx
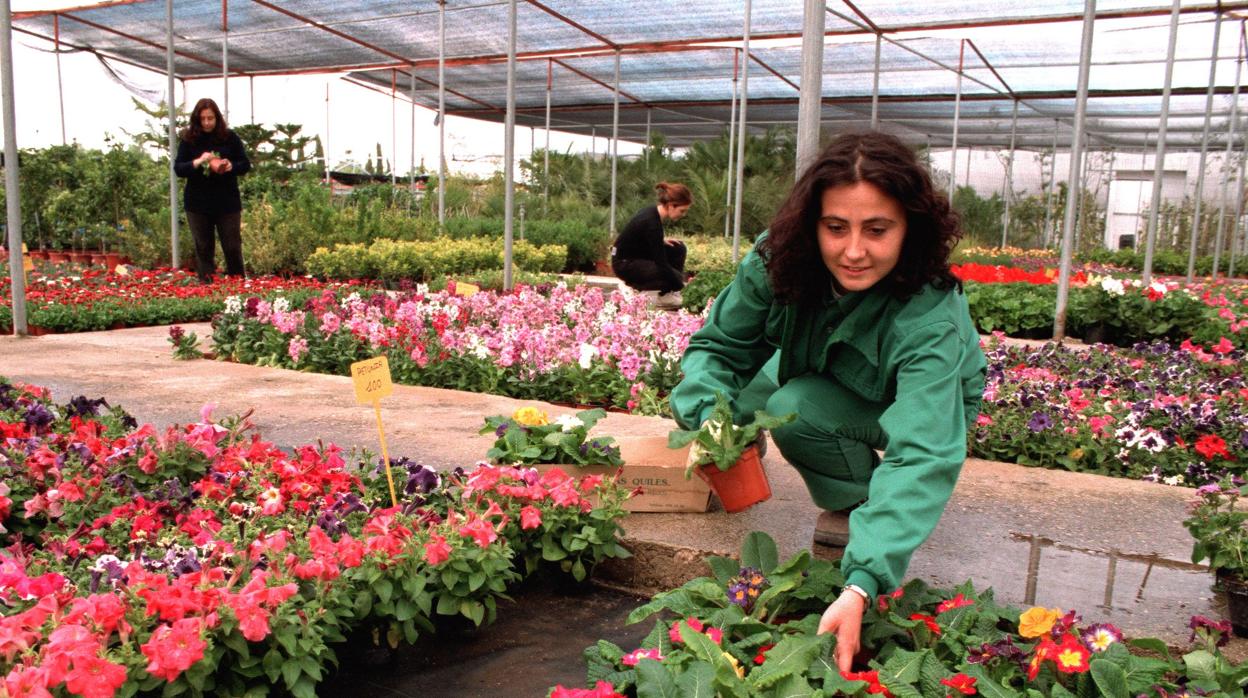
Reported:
(846, 313)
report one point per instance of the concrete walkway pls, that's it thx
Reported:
(1114, 549)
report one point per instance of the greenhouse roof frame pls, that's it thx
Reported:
(678, 70)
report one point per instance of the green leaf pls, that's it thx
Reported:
(987, 686)
(724, 568)
(291, 673)
(697, 681)
(1110, 679)
(1152, 644)
(759, 550)
(791, 656)
(791, 687)
(903, 667)
(654, 681)
(1201, 666)
(384, 588)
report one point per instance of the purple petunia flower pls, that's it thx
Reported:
(1040, 421)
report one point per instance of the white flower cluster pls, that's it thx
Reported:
(233, 305)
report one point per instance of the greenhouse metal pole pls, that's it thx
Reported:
(745, 99)
(1160, 156)
(394, 126)
(1204, 151)
(13, 198)
(1239, 212)
(60, 92)
(875, 85)
(550, 75)
(442, 116)
(251, 91)
(1008, 190)
(1076, 144)
(225, 60)
(615, 140)
(810, 98)
(1049, 235)
(648, 133)
(173, 136)
(1226, 159)
(957, 112)
(509, 146)
(732, 135)
(411, 157)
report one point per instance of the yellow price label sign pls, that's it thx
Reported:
(27, 263)
(466, 290)
(372, 379)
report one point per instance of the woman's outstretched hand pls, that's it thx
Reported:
(844, 617)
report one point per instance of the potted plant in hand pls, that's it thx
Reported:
(1220, 536)
(726, 455)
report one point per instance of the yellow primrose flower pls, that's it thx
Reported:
(531, 417)
(736, 666)
(1037, 621)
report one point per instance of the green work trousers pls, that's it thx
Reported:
(834, 439)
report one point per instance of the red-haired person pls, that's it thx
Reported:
(211, 157)
(643, 259)
(846, 313)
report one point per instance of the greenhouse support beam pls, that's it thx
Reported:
(173, 136)
(741, 124)
(732, 135)
(957, 114)
(1226, 158)
(442, 114)
(394, 127)
(550, 75)
(225, 60)
(1049, 235)
(13, 199)
(251, 91)
(140, 40)
(60, 91)
(1204, 151)
(1160, 157)
(1076, 145)
(875, 85)
(509, 147)
(810, 100)
(1239, 213)
(411, 156)
(1008, 190)
(615, 143)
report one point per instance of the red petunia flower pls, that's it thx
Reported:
(173, 649)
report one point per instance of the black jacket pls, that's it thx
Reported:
(211, 194)
(641, 238)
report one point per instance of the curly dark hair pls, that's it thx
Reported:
(791, 250)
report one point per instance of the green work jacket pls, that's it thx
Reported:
(918, 358)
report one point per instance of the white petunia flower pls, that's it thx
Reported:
(568, 422)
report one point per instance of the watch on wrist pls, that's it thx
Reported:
(866, 598)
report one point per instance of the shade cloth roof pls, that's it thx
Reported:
(677, 67)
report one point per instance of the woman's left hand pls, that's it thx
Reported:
(227, 166)
(844, 617)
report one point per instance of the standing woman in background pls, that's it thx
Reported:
(211, 158)
(643, 259)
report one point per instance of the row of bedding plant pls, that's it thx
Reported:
(200, 559)
(749, 630)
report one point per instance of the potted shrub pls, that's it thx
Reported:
(529, 437)
(726, 455)
(1218, 528)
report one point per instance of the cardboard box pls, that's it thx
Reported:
(657, 470)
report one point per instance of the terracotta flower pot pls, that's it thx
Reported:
(112, 259)
(80, 257)
(36, 330)
(741, 486)
(218, 165)
(99, 259)
(38, 254)
(58, 257)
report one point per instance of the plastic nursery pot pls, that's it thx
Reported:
(1236, 589)
(58, 257)
(741, 486)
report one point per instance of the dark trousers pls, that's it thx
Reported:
(228, 229)
(647, 275)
